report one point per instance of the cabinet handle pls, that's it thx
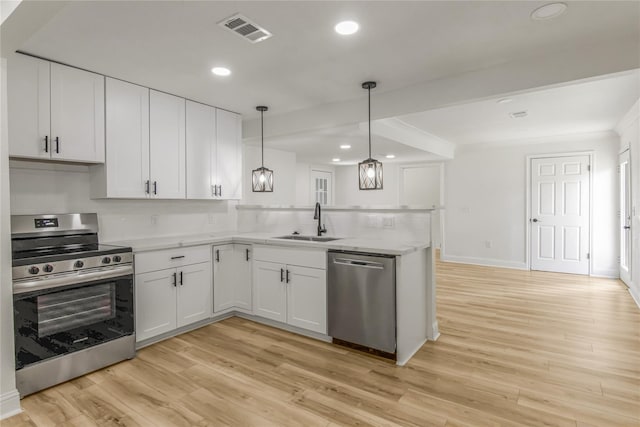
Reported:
(217, 255)
(247, 252)
(146, 187)
(282, 274)
(46, 143)
(288, 276)
(175, 279)
(155, 187)
(181, 279)
(220, 190)
(57, 145)
(177, 257)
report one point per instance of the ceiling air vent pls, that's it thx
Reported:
(518, 114)
(243, 27)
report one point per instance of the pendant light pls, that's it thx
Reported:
(370, 170)
(262, 178)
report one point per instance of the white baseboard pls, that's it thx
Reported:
(435, 332)
(607, 274)
(635, 296)
(10, 404)
(284, 326)
(488, 262)
(408, 357)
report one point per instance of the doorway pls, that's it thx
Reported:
(322, 187)
(560, 213)
(422, 186)
(624, 213)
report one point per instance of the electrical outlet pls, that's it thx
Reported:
(488, 244)
(388, 222)
(154, 219)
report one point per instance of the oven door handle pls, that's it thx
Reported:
(74, 278)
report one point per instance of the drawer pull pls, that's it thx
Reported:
(177, 257)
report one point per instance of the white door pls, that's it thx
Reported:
(224, 276)
(127, 130)
(321, 187)
(269, 291)
(167, 146)
(195, 299)
(77, 115)
(28, 106)
(229, 154)
(560, 214)
(307, 298)
(201, 150)
(242, 289)
(155, 303)
(624, 171)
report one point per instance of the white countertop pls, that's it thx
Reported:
(359, 244)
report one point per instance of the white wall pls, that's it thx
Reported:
(46, 187)
(485, 192)
(9, 399)
(283, 164)
(629, 129)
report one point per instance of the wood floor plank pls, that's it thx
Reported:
(518, 348)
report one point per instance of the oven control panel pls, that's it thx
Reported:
(70, 265)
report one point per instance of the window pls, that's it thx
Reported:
(321, 187)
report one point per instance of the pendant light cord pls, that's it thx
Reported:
(262, 136)
(369, 90)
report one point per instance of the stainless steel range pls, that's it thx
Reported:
(72, 299)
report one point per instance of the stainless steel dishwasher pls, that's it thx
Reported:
(362, 299)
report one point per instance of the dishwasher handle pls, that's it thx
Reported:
(358, 263)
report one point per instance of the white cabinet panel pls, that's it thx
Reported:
(169, 258)
(167, 145)
(201, 150)
(224, 272)
(269, 291)
(194, 293)
(155, 303)
(77, 115)
(28, 92)
(229, 154)
(127, 131)
(243, 294)
(307, 298)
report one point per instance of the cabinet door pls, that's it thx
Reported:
(307, 298)
(155, 303)
(269, 291)
(201, 150)
(77, 115)
(224, 277)
(243, 273)
(167, 145)
(229, 154)
(28, 107)
(127, 129)
(194, 293)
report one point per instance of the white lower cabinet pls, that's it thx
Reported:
(232, 277)
(172, 297)
(289, 293)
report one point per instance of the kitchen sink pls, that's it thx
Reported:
(308, 238)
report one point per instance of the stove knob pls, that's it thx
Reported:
(34, 270)
(117, 258)
(106, 260)
(48, 268)
(79, 264)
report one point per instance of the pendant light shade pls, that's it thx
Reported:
(370, 170)
(262, 178)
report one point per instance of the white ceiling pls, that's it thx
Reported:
(172, 45)
(579, 108)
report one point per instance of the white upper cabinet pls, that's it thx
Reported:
(167, 146)
(77, 115)
(127, 131)
(201, 151)
(229, 154)
(55, 112)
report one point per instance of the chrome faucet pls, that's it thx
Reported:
(318, 215)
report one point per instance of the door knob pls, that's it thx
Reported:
(534, 220)
(627, 227)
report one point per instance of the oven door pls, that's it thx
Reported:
(61, 320)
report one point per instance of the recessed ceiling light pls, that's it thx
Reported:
(335, 159)
(221, 71)
(504, 100)
(347, 27)
(518, 114)
(345, 147)
(548, 11)
(390, 156)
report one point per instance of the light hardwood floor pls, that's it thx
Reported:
(517, 348)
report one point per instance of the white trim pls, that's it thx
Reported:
(628, 119)
(592, 163)
(435, 332)
(10, 404)
(635, 297)
(406, 359)
(607, 274)
(284, 326)
(488, 262)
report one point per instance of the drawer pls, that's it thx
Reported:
(304, 257)
(169, 258)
